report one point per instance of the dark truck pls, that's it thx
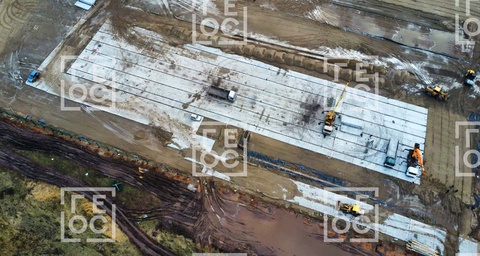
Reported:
(221, 93)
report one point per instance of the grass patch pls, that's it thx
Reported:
(30, 214)
(177, 243)
(31, 225)
(91, 177)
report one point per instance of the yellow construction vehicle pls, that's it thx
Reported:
(470, 77)
(437, 92)
(329, 122)
(350, 209)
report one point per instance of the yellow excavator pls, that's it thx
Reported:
(436, 92)
(329, 122)
(353, 209)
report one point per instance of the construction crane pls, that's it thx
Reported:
(329, 122)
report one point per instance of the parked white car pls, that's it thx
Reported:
(413, 171)
(85, 4)
(195, 117)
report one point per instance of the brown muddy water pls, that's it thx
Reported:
(276, 231)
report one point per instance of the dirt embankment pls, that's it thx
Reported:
(216, 216)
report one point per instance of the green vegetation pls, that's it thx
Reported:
(30, 214)
(130, 197)
(178, 244)
(72, 169)
(30, 222)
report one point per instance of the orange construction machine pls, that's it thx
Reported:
(416, 154)
(415, 161)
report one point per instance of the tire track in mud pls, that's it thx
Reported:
(177, 199)
(13, 15)
(12, 160)
(210, 217)
(182, 211)
(15, 12)
(235, 216)
(224, 211)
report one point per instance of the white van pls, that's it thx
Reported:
(391, 153)
(85, 4)
(412, 171)
(195, 117)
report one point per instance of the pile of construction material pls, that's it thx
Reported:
(423, 249)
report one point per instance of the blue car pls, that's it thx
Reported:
(33, 76)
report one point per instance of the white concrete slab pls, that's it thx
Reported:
(155, 79)
(467, 247)
(82, 5)
(352, 122)
(407, 229)
(395, 225)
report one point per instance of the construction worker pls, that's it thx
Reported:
(417, 154)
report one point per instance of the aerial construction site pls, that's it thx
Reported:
(242, 127)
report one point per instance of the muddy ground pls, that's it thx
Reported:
(216, 216)
(28, 22)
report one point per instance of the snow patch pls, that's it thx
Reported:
(467, 247)
(268, 6)
(209, 171)
(340, 52)
(319, 15)
(395, 225)
(194, 6)
(271, 40)
(415, 68)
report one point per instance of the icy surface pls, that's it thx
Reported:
(158, 84)
(467, 247)
(395, 225)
